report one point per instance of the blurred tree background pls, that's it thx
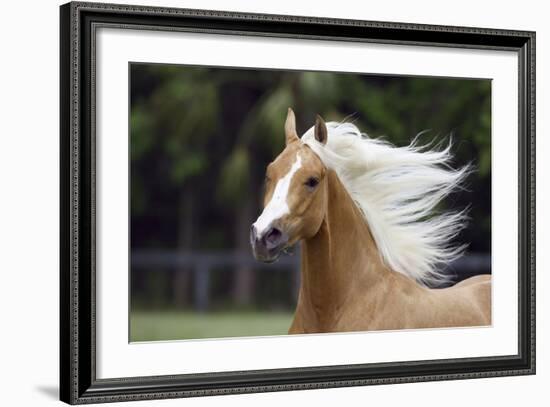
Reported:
(200, 139)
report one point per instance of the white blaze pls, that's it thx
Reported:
(277, 206)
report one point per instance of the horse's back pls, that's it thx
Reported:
(479, 290)
(482, 278)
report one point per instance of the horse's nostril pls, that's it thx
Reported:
(273, 236)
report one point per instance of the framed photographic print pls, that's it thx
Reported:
(255, 203)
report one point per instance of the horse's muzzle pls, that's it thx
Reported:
(268, 246)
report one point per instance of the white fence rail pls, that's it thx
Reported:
(202, 263)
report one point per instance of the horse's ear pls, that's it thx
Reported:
(290, 127)
(321, 132)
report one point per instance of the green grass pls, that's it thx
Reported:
(172, 325)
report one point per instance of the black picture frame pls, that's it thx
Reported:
(78, 382)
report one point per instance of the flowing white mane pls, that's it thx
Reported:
(397, 189)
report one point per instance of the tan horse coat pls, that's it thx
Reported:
(345, 286)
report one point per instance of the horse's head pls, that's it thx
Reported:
(295, 195)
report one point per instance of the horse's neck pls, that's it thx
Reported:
(341, 255)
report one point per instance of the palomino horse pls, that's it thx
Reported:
(362, 209)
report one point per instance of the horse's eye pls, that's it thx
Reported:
(311, 182)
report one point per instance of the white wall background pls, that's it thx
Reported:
(29, 163)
